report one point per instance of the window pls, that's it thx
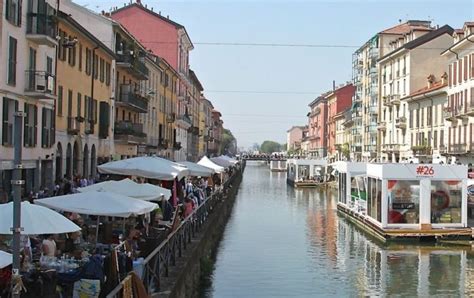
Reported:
(411, 119)
(47, 128)
(460, 71)
(465, 68)
(441, 137)
(107, 73)
(435, 139)
(454, 81)
(94, 111)
(71, 53)
(60, 101)
(102, 70)
(62, 50)
(30, 125)
(86, 107)
(13, 12)
(422, 120)
(403, 201)
(69, 103)
(429, 115)
(79, 105)
(95, 66)
(49, 65)
(12, 56)
(88, 61)
(472, 66)
(80, 57)
(10, 106)
(446, 201)
(450, 75)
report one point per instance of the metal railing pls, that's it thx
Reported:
(39, 82)
(136, 63)
(132, 97)
(157, 264)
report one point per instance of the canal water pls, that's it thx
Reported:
(282, 242)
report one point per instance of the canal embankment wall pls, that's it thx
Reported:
(184, 278)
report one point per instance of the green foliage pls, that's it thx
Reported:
(229, 143)
(270, 147)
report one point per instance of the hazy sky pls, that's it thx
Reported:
(263, 90)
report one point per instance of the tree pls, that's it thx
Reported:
(229, 143)
(270, 147)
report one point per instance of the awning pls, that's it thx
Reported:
(197, 169)
(222, 162)
(208, 163)
(5, 259)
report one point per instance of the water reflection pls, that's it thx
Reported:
(284, 242)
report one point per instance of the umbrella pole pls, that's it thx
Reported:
(97, 230)
(17, 182)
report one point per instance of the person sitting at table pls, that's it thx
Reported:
(131, 243)
(49, 246)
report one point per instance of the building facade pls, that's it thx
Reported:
(216, 134)
(365, 73)
(84, 88)
(460, 95)
(402, 71)
(28, 85)
(339, 100)
(196, 90)
(294, 137)
(317, 125)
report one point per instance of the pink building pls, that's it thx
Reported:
(317, 120)
(294, 136)
(338, 100)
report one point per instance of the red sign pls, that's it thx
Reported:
(425, 171)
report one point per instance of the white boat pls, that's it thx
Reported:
(277, 165)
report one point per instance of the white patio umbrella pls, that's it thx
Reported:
(35, 220)
(222, 162)
(229, 159)
(151, 167)
(208, 163)
(197, 169)
(129, 188)
(5, 259)
(100, 203)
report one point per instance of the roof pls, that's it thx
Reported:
(67, 18)
(457, 43)
(407, 27)
(422, 40)
(435, 86)
(195, 79)
(216, 112)
(145, 9)
(302, 127)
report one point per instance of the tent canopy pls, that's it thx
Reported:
(5, 259)
(151, 167)
(35, 220)
(222, 162)
(99, 203)
(129, 188)
(229, 159)
(197, 169)
(208, 163)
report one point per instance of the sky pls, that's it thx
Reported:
(262, 91)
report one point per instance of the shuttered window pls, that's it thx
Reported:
(12, 59)
(9, 107)
(30, 125)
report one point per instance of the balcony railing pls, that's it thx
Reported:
(458, 148)
(129, 132)
(382, 126)
(41, 29)
(131, 97)
(135, 64)
(73, 125)
(40, 84)
(395, 99)
(421, 150)
(386, 101)
(185, 118)
(401, 122)
(391, 147)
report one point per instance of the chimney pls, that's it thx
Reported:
(333, 85)
(167, 16)
(431, 79)
(444, 78)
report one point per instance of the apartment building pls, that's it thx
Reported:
(317, 125)
(460, 94)
(195, 92)
(206, 125)
(343, 136)
(402, 71)
(426, 119)
(84, 88)
(294, 137)
(365, 70)
(28, 85)
(338, 100)
(216, 134)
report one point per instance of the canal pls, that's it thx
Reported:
(282, 242)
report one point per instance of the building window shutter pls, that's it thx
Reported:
(25, 126)
(94, 111)
(104, 120)
(35, 126)
(44, 142)
(465, 67)
(12, 57)
(450, 75)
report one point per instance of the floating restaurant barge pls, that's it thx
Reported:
(405, 201)
(306, 172)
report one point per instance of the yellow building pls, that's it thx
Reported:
(131, 98)
(84, 89)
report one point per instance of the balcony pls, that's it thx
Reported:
(185, 118)
(130, 97)
(129, 133)
(386, 101)
(458, 149)
(395, 99)
(449, 115)
(460, 112)
(470, 110)
(133, 64)
(39, 84)
(171, 118)
(401, 122)
(391, 148)
(73, 125)
(373, 110)
(382, 126)
(422, 150)
(41, 29)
